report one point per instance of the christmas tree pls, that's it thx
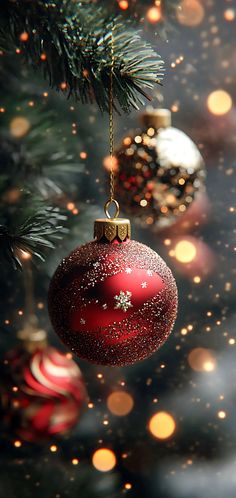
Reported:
(70, 70)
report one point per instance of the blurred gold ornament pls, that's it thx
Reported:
(120, 403)
(202, 360)
(219, 102)
(191, 13)
(104, 459)
(160, 171)
(162, 425)
(19, 126)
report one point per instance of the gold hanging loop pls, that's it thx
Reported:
(107, 206)
(111, 199)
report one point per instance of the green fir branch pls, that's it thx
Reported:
(74, 39)
(35, 234)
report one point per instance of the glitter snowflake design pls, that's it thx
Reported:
(128, 270)
(123, 300)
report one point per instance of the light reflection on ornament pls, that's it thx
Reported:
(190, 13)
(185, 251)
(153, 14)
(19, 126)
(104, 459)
(162, 425)
(120, 403)
(219, 102)
(202, 360)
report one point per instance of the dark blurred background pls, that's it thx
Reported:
(190, 382)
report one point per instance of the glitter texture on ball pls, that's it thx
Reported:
(113, 303)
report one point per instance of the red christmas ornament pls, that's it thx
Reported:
(113, 301)
(43, 393)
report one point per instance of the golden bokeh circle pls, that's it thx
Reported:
(185, 251)
(190, 13)
(162, 425)
(202, 360)
(219, 102)
(153, 14)
(104, 459)
(19, 126)
(120, 403)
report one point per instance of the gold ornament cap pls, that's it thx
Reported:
(112, 227)
(109, 229)
(158, 118)
(32, 336)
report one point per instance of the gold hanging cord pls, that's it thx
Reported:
(111, 199)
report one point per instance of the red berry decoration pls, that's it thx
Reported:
(113, 301)
(43, 395)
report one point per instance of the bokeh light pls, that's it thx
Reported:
(123, 4)
(185, 251)
(19, 126)
(153, 14)
(202, 360)
(219, 102)
(191, 13)
(221, 414)
(162, 425)
(120, 403)
(24, 36)
(104, 459)
(110, 162)
(229, 14)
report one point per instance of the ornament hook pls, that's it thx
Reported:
(107, 206)
(111, 200)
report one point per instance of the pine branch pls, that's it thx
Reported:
(38, 157)
(70, 42)
(36, 233)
